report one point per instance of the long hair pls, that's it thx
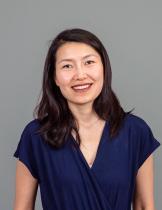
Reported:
(55, 118)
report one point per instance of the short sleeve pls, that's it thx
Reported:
(25, 151)
(147, 144)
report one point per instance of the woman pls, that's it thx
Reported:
(82, 149)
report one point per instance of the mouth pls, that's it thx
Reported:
(82, 87)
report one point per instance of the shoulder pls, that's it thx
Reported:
(29, 147)
(142, 139)
(29, 134)
(32, 126)
(140, 131)
(135, 121)
(137, 127)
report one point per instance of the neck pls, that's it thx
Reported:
(84, 114)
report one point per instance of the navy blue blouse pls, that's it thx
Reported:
(66, 180)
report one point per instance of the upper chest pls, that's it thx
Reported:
(90, 140)
(109, 161)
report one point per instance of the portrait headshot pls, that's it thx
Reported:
(84, 108)
(82, 148)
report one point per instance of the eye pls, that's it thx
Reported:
(90, 61)
(66, 66)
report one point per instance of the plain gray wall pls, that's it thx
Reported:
(131, 32)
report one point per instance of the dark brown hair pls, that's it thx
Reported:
(56, 119)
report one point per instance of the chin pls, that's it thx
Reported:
(81, 102)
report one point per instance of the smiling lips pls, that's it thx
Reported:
(82, 86)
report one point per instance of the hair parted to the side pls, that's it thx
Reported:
(52, 112)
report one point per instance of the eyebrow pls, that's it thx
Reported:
(70, 59)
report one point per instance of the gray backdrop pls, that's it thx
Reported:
(131, 32)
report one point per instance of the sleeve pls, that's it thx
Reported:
(25, 151)
(147, 144)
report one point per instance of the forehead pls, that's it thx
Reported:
(75, 49)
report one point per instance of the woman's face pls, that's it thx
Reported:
(78, 64)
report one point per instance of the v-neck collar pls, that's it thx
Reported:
(98, 148)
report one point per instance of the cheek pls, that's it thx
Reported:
(63, 79)
(98, 73)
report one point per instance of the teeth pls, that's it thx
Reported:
(81, 87)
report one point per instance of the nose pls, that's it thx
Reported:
(80, 72)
